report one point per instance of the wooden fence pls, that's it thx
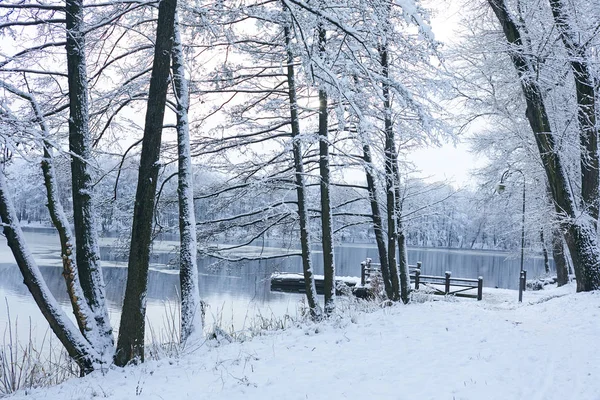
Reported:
(451, 286)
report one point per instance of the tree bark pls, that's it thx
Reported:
(403, 271)
(582, 242)
(579, 225)
(130, 345)
(191, 305)
(544, 252)
(86, 239)
(560, 259)
(391, 181)
(401, 238)
(377, 222)
(585, 91)
(324, 172)
(309, 279)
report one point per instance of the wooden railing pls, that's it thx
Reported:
(369, 269)
(452, 286)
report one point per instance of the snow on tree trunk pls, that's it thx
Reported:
(544, 252)
(83, 314)
(402, 287)
(78, 348)
(324, 173)
(309, 280)
(87, 249)
(377, 222)
(391, 181)
(585, 90)
(560, 259)
(400, 237)
(582, 241)
(578, 224)
(403, 265)
(191, 304)
(130, 344)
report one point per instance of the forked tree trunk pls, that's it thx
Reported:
(87, 252)
(377, 222)
(130, 345)
(324, 172)
(83, 315)
(76, 345)
(579, 225)
(309, 279)
(191, 305)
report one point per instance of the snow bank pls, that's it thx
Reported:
(545, 348)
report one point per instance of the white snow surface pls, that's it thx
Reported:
(545, 348)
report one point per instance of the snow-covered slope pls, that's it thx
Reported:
(546, 348)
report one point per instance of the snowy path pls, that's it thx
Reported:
(494, 349)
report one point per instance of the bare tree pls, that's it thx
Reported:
(309, 280)
(191, 305)
(86, 239)
(130, 344)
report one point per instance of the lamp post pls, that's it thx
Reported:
(501, 187)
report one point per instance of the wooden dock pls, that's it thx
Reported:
(294, 283)
(361, 287)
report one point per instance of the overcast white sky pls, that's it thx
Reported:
(447, 162)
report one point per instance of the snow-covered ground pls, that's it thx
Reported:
(546, 348)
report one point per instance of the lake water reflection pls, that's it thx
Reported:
(234, 292)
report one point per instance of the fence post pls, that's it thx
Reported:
(420, 266)
(479, 288)
(417, 278)
(362, 273)
(521, 285)
(448, 273)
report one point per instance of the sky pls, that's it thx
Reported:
(448, 162)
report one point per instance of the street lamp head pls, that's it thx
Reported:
(500, 188)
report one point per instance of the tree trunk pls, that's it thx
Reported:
(83, 315)
(586, 107)
(78, 348)
(560, 259)
(402, 256)
(391, 180)
(309, 280)
(191, 304)
(544, 252)
(377, 222)
(130, 345)
(86, 250)
(579, 225)
(582, 242)
(324, 172)
(404, 273)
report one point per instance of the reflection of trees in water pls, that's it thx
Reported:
(249, 280)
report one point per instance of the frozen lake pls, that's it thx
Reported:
(235, 292)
